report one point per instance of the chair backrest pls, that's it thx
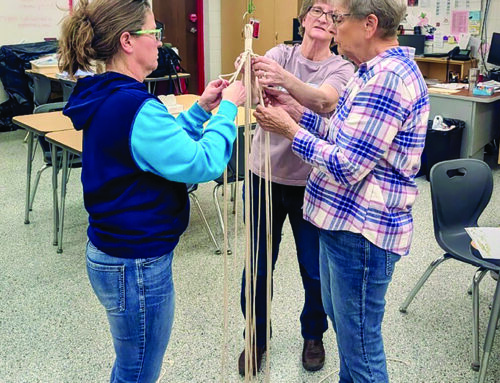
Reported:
(460, 190)
(236, 164)
(52, 107)
(41, 88)
(67, 88)
(45, 108)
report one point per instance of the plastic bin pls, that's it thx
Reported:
(442, 145)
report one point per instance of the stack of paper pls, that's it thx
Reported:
(486, 240)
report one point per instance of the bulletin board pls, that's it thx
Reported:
(27, 21)
(456, 18)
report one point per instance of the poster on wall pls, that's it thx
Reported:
(474, 23)
(413, 3)
(459, 22)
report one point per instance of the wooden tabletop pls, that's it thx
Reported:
(444, 60)
(187, 100)
(465, 94)
(70, 140)
(41, 123)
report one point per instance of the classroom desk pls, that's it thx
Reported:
(187, 100)
(149, 81)
(481, 115)
(40, 124)
(70, 141)
(153, 80)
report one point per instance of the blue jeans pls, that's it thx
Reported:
(286, 201)
(355, 275)
(138, 295)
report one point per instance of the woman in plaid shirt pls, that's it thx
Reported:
(361, 189)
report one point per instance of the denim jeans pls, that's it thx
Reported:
(355, 275)
(286, 201)
(138, 295)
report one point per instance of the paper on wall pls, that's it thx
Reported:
(438, 39)
(459, 22)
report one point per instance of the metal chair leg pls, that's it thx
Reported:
(490, 334)
(64, 182)
(35, 186)
(29, 163)
(219, 211)
(217, 207)
(207, 226)
(478, 276)
(421, 281)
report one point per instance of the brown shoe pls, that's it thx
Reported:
(241, 360)
(313, 355)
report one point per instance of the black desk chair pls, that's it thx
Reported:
(74, 162)
(460, 191)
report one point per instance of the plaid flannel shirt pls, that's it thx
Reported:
(366, 158)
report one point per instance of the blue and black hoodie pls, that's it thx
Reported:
(137, 159)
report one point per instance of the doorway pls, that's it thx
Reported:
(183, 20)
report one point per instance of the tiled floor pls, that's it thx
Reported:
(53, 330)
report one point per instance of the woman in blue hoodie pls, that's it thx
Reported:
(137, 159)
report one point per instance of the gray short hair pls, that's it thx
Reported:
(389, 13)
(306, 6)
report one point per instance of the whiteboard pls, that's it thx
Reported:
(28, 21)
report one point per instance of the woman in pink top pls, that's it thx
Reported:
(314, 76)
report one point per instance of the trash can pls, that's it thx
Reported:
(441, 145)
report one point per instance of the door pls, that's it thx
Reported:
(183, 21)
(276, 26)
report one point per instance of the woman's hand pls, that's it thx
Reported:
(235, 93)
(276, 120)
(212, 95)
(269, 72)
(285, 101)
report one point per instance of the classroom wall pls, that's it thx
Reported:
(212, 27)
(32, 20)
(439, 13)
(27, 21)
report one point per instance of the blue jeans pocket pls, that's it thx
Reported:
(108, 282)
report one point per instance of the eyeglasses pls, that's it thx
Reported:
(335, 18)
(157, 33)
(338, 18)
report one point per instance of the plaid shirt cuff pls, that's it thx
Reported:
(303, 144)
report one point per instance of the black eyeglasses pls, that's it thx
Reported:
(335, 18)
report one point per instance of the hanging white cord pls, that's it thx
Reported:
(250, 261)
